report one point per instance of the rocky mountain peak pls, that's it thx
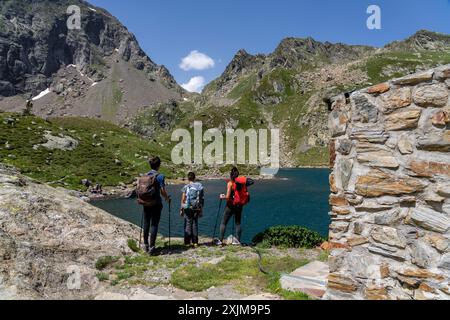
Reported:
(37, 48)
(423, 40)
(292, 51)
(35, 43)
(241, 62)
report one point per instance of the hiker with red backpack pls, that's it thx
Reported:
(149, 190)
(237, 197)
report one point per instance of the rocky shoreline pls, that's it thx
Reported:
(127, 191)
(120, 192)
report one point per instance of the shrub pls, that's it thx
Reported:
(124, 275)
(290, 237)
(103, 262)
(133, 245)
(101, 276)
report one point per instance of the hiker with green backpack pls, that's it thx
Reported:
(237, 197)
(192, 201)
(149, 190)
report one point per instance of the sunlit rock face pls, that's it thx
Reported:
(50, 241)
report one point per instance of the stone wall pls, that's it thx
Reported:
(390, 184)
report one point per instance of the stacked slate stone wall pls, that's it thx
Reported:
(390, 184)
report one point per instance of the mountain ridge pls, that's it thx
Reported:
(102, 73)
(36, 46)
(287, 87)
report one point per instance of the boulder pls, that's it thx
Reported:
(50, 236)
(64, 143)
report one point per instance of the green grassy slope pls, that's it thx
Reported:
(106, 154)
(385, 66)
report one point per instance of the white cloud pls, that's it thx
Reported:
(196, 84)
(197, 61)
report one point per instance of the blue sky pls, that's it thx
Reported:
(168, 30)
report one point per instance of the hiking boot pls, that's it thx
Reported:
(195, 245)
(147, 248)
(152, 251)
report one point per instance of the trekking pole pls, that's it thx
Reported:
(217, 219)
(234, 228)
(140, 232)
(170, 211)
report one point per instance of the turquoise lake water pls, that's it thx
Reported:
(295, 197)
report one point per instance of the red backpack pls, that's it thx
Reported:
(241, 195)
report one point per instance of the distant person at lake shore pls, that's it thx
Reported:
(149, 192)
(192, 201)
(236, 197)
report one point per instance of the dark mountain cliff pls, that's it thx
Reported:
(37, 48)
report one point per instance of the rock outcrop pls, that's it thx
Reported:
(50, 241)
(390, 229)
(422, 40)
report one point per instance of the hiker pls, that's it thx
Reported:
(236, 197)
(28, 108)
(149, 191)
(97, 189)
(192, 201)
